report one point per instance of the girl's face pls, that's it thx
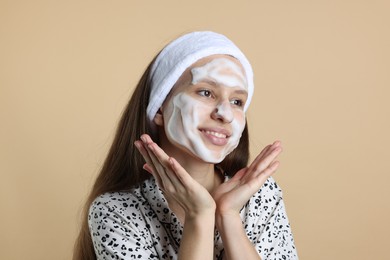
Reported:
(204, 113)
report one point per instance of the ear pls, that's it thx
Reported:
(158, 118)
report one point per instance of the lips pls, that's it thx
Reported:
(217, 136)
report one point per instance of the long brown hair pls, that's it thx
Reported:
(122, 168)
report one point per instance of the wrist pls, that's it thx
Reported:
(205, 216)
(227, 220)
(205, 211)
(200, 225)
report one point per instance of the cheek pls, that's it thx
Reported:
(238, 126)
(239, 117)
(201, 111)
(195, 111)
(185, 111)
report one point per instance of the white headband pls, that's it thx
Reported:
(181, 53)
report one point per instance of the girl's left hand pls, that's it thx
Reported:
(232, 195)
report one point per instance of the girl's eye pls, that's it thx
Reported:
(205, 93)
(237, 102)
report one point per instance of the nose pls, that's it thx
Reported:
(223, 112)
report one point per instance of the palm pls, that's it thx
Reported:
(174, 180)
(232, 195)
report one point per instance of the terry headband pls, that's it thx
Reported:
(180, 54)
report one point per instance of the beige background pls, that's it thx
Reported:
(67, 68)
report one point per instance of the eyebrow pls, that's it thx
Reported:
(241, 91)
(215, 85)
(209, 81)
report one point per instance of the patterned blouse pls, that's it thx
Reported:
(139, 225)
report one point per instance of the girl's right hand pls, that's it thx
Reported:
(174, 180)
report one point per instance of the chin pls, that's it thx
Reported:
(212, 158)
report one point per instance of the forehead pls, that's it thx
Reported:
(186, 77)
(208, 59)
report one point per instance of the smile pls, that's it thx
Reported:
(216, 134)
(219, 135)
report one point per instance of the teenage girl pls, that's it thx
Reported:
(176, 183)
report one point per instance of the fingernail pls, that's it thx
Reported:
(143, 138)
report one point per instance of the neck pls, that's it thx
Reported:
(203, 173)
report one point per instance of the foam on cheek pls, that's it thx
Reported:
(182, 128)
(237, 129)
(224, 71)
(182, 125)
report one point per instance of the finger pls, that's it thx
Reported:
(143, 150)
(239, 174)
(176, 176)
(269, 159)
(260, 164)
(163, 165)
(149, 169)
(155, 151)
(154, 168)
(182, 175)
(148, 145)
(146, 139)
(265, 149)
(263, 153)
(270, 170)
(268, 148)
(159, 154)
(170, 176)
(256, 183)
(174, 183)
(149, 166)
(161, 171)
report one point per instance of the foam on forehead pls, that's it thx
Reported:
(180, 54)
(218, 69)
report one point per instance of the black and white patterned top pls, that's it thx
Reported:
(139, 225)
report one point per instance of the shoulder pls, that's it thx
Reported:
(117, 201)
(123, 206)
(130, 208)
(118, 226)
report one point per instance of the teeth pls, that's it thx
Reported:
(219, 135)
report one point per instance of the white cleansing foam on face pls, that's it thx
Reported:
(222, 70)
(183, 128)
(190, 123)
